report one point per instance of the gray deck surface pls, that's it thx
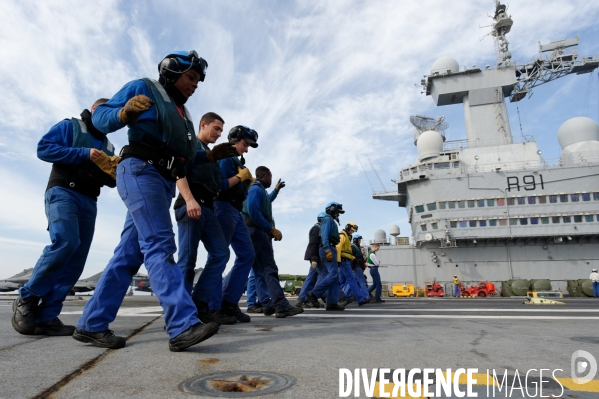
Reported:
(489, 333)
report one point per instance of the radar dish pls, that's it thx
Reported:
(425, 123)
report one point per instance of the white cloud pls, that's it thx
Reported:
(325, 84)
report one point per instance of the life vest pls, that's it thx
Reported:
(86, 178)
(265, 206)
(175, 133)
(238, 193)
(203, 180)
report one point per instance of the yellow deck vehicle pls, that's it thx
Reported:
(402, 290)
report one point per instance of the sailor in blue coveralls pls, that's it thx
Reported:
(359, 265)
(161, 145)
(196, 221)
(329, 238)
(236, 179)
(72, 146)
(257, 210)
(317, 270)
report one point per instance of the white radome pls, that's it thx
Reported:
(444, 64)
(429, 144)
(577, 130)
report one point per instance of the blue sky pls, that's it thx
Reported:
(325, 83)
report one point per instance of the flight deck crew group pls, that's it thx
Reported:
(220, 204)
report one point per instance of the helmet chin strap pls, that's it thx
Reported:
(242, 160)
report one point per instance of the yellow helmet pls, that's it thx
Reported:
(351, 225)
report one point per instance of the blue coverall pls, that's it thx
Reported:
(262, 242)
(71, 223)
(147, 236)
(330, 283)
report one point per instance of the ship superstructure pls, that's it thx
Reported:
(490, 207)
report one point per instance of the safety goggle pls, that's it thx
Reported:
(196, 62)
(250, 132)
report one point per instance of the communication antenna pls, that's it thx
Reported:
(376, 173)
(369, 182)
(423, 123)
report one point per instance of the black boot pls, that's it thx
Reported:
(192, 336)
(204, 313)
(313, 300)
(224, 318)
(232, 309)
(255, 309)
(103, 339)
(335, 307)
(54, 328)
(24, 314)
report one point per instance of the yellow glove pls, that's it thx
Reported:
(108, 164)
(244, 174)
(134, 108)
(313, 264)
(277, 235)
(329, 255)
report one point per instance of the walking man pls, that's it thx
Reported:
(82, 161)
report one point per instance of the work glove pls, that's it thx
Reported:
(134, 108)
(276, 234)
(280, 185)
(244, 174)
(108, 164)
(329, 255)
(221, 151)
(313, 264)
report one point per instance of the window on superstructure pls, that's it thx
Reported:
(442, 165)
(563, 198)
(491, 202)
(596, 196)
(532, 200)
(588, 218)
(432, 206)
(521, 200)
(598, 217)
(577, 218)
(471, 203)
(456, 164)
(414, 170)
(534, 220)
(442, 205)
(567, 219)
(472, 223)
(482, 223)
(511, 201)
(586, 196)
(553, 199)
(523, 221)
(542, 199)
(451, 204)
(545, 220)
(503, 222)
(574, 197)
(480, 203)
(419, 208)
(554, 219)
(493, 222)
(461, 204)
(513, 221)
(434, 225)
(500, 201)
(453, 224)
(423, 227)
(463, 223)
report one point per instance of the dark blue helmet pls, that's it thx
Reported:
(334, 207)
(320, 216)
(179, 62)
(245, 133)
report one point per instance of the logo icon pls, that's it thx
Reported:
(583, 362)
